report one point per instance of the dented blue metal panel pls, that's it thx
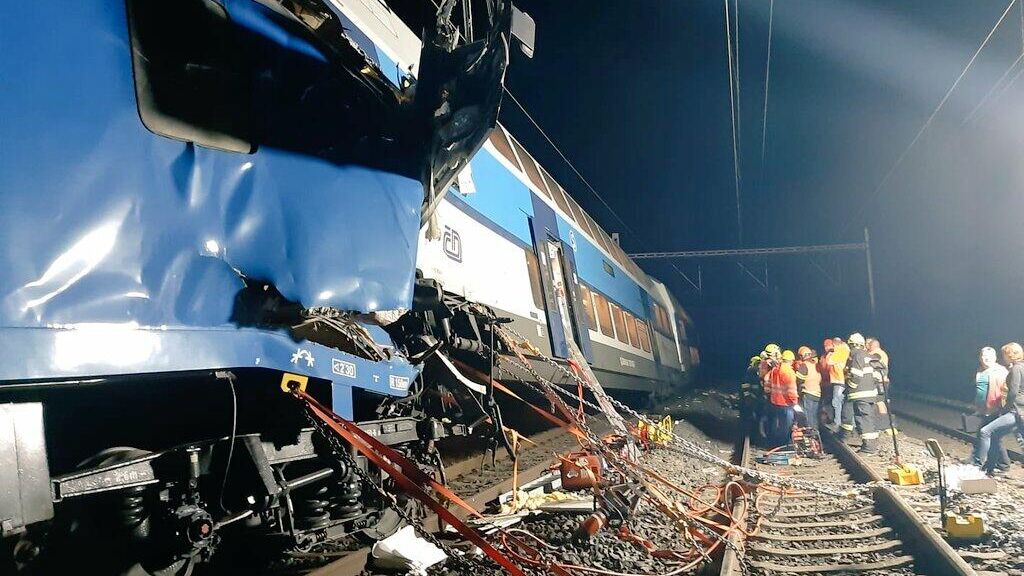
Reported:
(105, 222)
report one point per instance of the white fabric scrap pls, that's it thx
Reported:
(404, 550)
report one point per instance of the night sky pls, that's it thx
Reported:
(637, 96)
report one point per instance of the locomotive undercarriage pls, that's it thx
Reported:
(273, 485)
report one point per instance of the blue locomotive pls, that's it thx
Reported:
(206, 200)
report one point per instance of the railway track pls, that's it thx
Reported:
(803, 533)
(945, 417)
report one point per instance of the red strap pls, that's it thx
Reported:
(400, 468)
(572, 429)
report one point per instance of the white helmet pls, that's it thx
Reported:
(855, 339)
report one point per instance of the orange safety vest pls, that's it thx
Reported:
(810, 382)
(837, 364)
(783, 386)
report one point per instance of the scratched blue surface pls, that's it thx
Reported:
(106, 223)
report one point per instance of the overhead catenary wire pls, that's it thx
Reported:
(992, 90)
(567, 161)
(924, 127)
(735, 144)
(580, 175)
(767, 82)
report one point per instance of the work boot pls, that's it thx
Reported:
(868, 447)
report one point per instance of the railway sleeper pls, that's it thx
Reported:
(822, 537)
(865, 549)
(887, 564)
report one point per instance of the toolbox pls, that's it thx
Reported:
(904, 475)
(967, 527)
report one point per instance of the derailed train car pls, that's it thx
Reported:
(204, 201)
(202, 198)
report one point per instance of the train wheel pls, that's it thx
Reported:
(103, 534)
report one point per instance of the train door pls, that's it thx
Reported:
(562, 298)
(560, 284)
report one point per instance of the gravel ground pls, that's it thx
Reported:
(607, 551)
(1004, 511)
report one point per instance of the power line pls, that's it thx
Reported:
(739, 99)
(927, 123)
(583, 178)
(992, 90)
(767, 80)
(568, 163)
(735, 147)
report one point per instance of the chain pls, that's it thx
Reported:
(835, 489)
(345, 456)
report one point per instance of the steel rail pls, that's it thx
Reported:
(731, 564)
(931, 552)
(961, 435)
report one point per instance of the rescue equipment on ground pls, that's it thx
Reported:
(580, 470)
(659, 434)
(899, 474)
(807, 442)
(969, 526)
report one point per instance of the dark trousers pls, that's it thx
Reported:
(810, 405)
(860, 415)
(780, 425)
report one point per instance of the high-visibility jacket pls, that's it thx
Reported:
(860, 376)
(783, 386)
(837, 364)
(808, 378)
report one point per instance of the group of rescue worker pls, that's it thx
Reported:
(842, 388)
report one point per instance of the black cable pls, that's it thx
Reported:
(230, 377)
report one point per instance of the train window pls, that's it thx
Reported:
(588, 306)
(608, 267)
(604, 315)
(574, 210)
(533, 267)
(195, 87)
(530, 167)
(581, 216)
(644, 335)
(620, 324)
(500, 143)
(631, 329)
(559, 196)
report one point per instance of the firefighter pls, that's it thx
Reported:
(783, 399)
(861, 393)
(770, 358)
(837, 377)
(808, 381)
(752, 396)
(880, 362)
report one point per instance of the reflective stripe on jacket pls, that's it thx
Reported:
(809, 378)
(860, 376)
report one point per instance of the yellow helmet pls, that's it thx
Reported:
(788, 356)
(772, 349)
(755, 359)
